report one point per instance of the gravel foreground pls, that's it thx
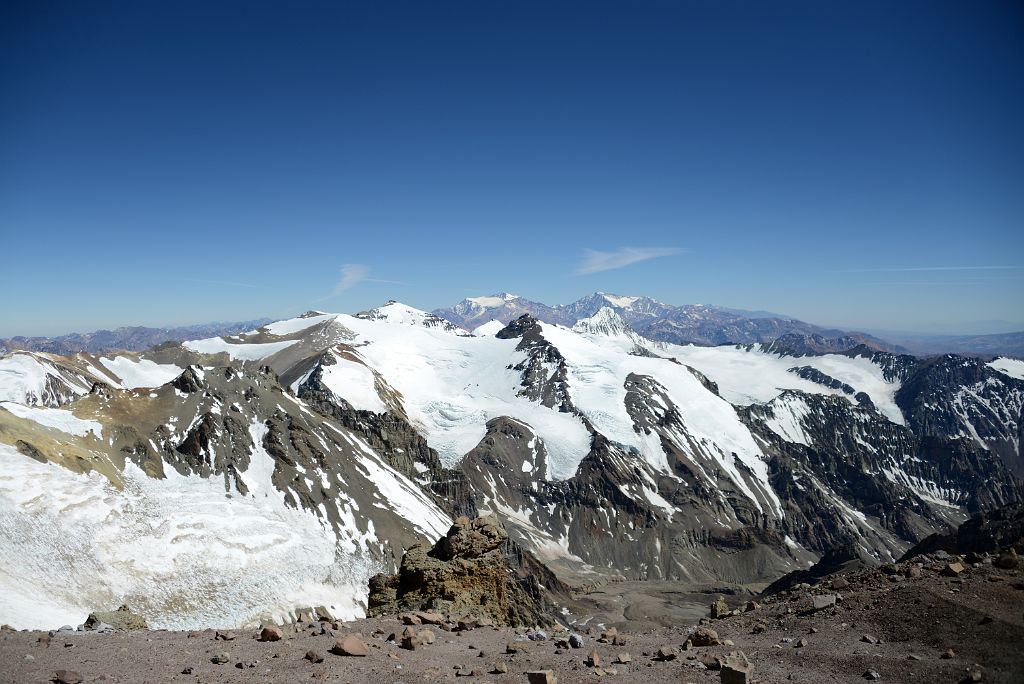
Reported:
(913, 622)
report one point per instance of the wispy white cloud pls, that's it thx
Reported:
(353, 274)
(933, 268)
(595, 261)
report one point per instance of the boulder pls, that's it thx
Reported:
(467, 572)
(350, 646)
(541, 677)
(953, 569)
(719, 608)
(122, 618)
(736, 669)
(1007, 560)
(271, 633)
(823, 601)
(704, 636)
(667, 653)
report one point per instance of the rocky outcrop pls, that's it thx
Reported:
(467, 572)
(989, 532)
(123, 618)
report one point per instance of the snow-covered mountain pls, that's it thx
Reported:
(686, 324)
(289, 462)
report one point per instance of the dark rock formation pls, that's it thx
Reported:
(468, 572)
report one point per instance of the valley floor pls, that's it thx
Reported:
(916, 615)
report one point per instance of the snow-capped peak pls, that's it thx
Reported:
(492, 301)
(619, 301)
(605, 322)
(395, 312)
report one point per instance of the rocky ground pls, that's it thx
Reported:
(935, 618)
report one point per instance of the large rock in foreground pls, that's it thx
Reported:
(473, 570)
(122, 618)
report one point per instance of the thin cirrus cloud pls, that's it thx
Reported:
(933, 268)
(595, 261)
(352, 275)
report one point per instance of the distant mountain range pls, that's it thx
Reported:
(135, 338)
(698, 324)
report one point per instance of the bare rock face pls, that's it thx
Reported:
(467, 572)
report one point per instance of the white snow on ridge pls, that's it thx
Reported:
(621, 302)
(452, 385)
(1012, 367)
(489, 329)
(752, 376)
(142, 372)
(597, 378)
(24, 379)
(242, 352)
(58, 419)
(293, 325)
(353, 382)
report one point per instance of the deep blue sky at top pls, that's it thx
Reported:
(175, 162)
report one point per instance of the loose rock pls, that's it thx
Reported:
(350, 646)
(314, 657)
(270, 633)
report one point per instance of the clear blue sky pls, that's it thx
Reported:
(857, 163)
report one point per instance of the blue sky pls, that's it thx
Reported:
(853, 164)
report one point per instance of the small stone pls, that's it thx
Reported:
(823, 601)
(913, 656)
(187, 671)
(314, 657)
(623, 658)
(608, 635)
(351, 646)
(271, 633)
(872, 674)
(500, 667)
(67, 677)
(594, 659)
(221, 658)
(800, 643)
(840, 583)
(868, 639)
(426, 637)
(948, 654)
(44, 640)
(467, 623)
(430, 618)
(223, 636)
(913, 572)
(973, 676)
(575, 641)
(751, 605)
(410, 619)
(541, 677)
(516, 647)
